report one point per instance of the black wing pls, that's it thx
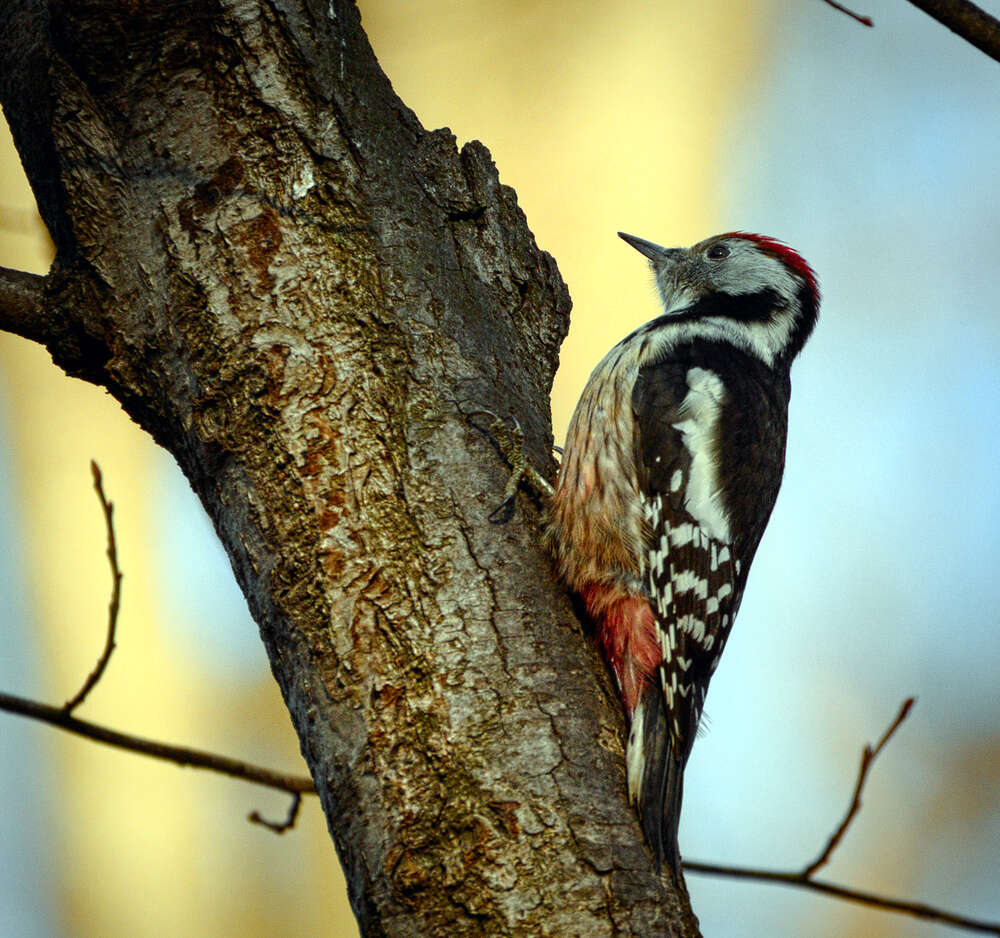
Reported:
(695, 581)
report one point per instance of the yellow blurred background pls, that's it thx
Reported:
(603, 116)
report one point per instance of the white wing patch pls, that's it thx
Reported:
(702, 406)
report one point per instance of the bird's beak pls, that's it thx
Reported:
(654, 252)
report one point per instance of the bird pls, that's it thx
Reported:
(670, 470)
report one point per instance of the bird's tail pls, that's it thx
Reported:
(656, 778)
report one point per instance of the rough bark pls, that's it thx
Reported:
(299, 292)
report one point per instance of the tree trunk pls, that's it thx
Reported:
(301, 293)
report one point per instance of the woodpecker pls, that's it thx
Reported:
(671, 467)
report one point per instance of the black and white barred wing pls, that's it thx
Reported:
(692, 579)
(689, 569)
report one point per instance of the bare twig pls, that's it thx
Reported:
(63, 718)
(966, 20)
(113, 605)
(804, 877)
(916, 909)
(868, 756)
(865, 20)
(279, 827)
(181, 755)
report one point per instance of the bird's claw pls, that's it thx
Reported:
(510, 440)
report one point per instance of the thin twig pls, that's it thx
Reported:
(868, 756)
(116, 596)
(181, 755)
(966, 20)
(803, 878)
(865, 20)
(917, 909)
(62, 717)
(279, 827)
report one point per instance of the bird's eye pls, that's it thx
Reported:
(717, 252)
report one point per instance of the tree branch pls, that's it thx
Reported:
(916, 909)
(113, 605)
(180, 755)
(279, 827)
(804, 878)
(967, 20)
(868, 757)
(22, 304)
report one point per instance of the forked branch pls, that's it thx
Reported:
(868, 757)
(62, 717)
(903, 906)
(804, 878)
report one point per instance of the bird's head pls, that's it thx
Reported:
(755, 287)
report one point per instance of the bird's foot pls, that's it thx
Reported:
(510, 440)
